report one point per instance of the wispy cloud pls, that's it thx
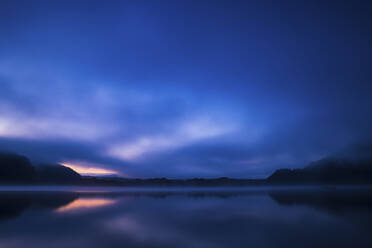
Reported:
(185, 134)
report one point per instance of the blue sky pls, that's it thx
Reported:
(184, 88)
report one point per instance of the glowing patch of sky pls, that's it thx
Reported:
(89, 170)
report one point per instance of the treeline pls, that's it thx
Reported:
(164, 182)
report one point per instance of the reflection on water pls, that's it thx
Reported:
(85, 203)
(337, 202)
(254, 218)
(13, 204)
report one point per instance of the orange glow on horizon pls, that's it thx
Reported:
(89, 170)
(80, 204)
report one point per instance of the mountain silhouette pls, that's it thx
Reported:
(56, 173)
(354, 167)
(15, 168)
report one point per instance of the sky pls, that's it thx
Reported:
(184, 89)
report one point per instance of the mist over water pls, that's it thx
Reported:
(258, 217)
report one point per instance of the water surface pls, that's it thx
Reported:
(255, 217)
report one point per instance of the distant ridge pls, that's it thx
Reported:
(330, 170)
(56, 173)
(17, 169)
(354, 169)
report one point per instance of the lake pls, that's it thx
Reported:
(64, 217)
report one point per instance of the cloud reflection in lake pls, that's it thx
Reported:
(85, 203)
(186, 219)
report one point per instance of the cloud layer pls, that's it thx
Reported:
(183, 90)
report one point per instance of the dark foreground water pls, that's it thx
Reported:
(257, 217)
